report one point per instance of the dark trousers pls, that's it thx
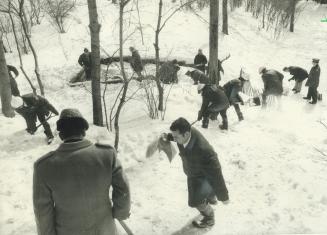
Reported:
(238, 111)
(208, 112)
(312, 94)
(88, 75)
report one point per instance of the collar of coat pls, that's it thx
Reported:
(70, 146)
(190, 144)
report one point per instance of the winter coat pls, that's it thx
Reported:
(314, 75)
(200, 62)
(39, 104)
(299, 74)
(13, 83)
(136, 62)
(71, 190)
(199, 77)
(213, 96)
(232, 89)
(168, 72)
(203, 170)
(84, 60)
(273, 82)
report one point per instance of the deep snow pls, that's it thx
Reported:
(274, 172)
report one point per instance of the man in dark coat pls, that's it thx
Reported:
(200, 61)
(36, 106)
(273, 83)
(13, 83)
(232, 89)
(299, 75)
(71, 184)
(136, 62)
(198, 77)
(214, 100)
(313, 82)
(202, 168)
(84, 60)
(168, 72)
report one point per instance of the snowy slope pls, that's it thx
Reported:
(274, 172)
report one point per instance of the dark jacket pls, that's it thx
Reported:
(199, 77)
(232, 89)
(136, 62)
(13, 83)
(39, 104)
(200, 62)
(298, 73)
(71, 190)
(314, 76)
(202, 167)
(213, 96)
(168, 72)
(85, 60)
(273, 82)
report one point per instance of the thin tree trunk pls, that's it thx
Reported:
(126, 82)
(213, 42)
(293, 6)
(95, 65)
(225, 17)
(263, 13)
(36, 63)
(157, 49)
(19, 53)
(5, 87)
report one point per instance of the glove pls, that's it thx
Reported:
(163, 136)
(290, 79)
(242, 102)
(199, 116)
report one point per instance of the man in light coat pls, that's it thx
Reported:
(71, 184)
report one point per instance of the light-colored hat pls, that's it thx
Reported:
(201, 86)
(262, 69)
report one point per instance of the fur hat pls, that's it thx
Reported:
(315, 60)
(71, 115)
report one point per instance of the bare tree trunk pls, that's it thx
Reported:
(5, 88)
(36, 63)
(225, 17)
(157, 49)
(95, 59)
(126, 82)
(293, 6)
(19, 53)
(263, 13)
(213, 42)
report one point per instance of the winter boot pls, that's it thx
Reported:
(205, 222)
(212, 200)
(205, 123)
(240, 117)
(224, 126)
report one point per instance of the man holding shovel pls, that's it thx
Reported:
(201, 165)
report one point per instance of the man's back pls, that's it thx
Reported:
(78, 176)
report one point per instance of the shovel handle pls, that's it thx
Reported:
(125, 227)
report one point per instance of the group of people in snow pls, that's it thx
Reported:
(71, 184)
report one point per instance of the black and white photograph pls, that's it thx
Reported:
(163, 117)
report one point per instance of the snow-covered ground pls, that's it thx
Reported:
(273, 162)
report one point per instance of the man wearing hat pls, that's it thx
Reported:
(313, 82)
(214, 100)
(84, 60)
(71, 184)
(205, 179)
(272, 82)
(232, 89)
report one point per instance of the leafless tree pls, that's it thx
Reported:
(59, 11)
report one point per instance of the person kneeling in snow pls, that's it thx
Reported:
(214, 100)
(35, 106)
(71, 185)
(205, 180)
(273, 84)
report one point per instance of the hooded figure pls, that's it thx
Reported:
(71, 184)
(273, 83)
(214, 100)
(313, 82)
(136, 62)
